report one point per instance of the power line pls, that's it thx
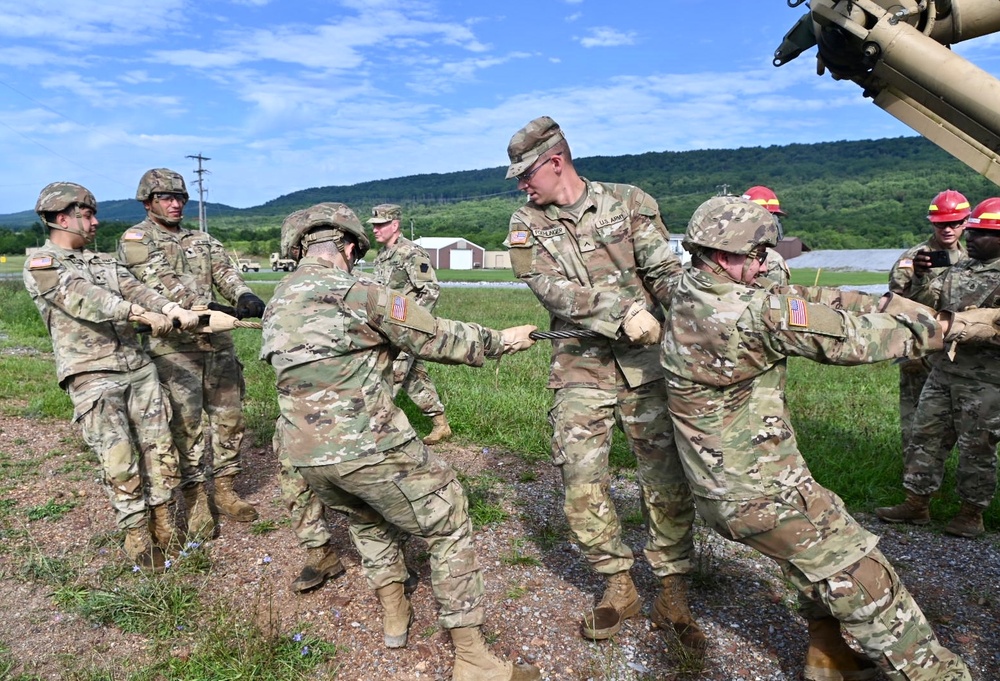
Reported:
(202, 222)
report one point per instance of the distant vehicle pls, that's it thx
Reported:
(246, 265)
(286, 264)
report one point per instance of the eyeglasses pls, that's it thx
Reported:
(165, 197)
(526, 177)
(949, 225)
(760, 255)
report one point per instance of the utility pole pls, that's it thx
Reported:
(202, 222)
(411, 229)
(723, 189)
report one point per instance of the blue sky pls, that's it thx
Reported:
(288, 95)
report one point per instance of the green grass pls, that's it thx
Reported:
(51, 510)
(807, 277)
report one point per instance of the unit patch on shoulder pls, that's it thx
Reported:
(40, 262)
(518, 237)
(133, 235)
(798, 313)
(398, 309)
(424, 267)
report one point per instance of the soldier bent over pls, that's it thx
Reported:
(331, 338)
(725, 346)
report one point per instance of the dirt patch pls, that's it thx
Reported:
(537, 582)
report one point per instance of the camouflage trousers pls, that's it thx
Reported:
(953, 408)
(582, 421)
(206, 394)
(834, 564)
(125, 418)
(307, 512)
(410, 491)
(410, 375)
(912, 376)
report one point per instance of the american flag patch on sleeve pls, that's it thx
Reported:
(518, 237)
(398, 309)
(798, 314)
(133, 235)
(40, 262)
(906, 262)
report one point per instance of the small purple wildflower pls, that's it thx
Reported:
(305, 650)
(267, 559)
(297, 638)
(135, 568)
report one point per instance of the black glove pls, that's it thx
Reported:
(249, 305)
(219, 307)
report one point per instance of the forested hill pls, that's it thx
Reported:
(863, 194)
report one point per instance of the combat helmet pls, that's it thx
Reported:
(160, 180)
(58, 196)
(730, 224)
(305, 227)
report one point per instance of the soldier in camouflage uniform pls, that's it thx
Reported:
(201, 372)
(86, 300)
(724, 350)
(331, 338)
(947, 214)
(403, 266)
(597, 256)
(962, 394)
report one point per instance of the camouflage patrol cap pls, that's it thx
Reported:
(337, 217)
(530, 142)
(59, 196)
(385, 212)
(160, 180)
(730, 224)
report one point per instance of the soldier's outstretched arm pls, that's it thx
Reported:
(411, 328)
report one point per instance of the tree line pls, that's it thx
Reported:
(858, 194)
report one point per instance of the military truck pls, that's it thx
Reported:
(246, 264)
(279, 263)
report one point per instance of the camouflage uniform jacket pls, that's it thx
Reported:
(331, 337)
(186, 267)
(901, 277)
(406, 267)
(587, 264)
(970, 283)
(724, 351)
(85, 299)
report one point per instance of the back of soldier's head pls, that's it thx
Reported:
(320, 223)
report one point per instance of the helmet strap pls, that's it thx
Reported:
(80, 228)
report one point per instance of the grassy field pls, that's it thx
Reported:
(846, 418)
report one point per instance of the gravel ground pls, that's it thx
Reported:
(537, 583)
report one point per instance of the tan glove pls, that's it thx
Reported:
(159, 323)
(184, 319)
(972, 326)
(516, 338)
(640, 326)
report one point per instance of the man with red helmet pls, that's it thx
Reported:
(962, 394)
(775, 267)
(947, 214)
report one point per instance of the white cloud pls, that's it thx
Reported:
(604, 36)
(86, 23)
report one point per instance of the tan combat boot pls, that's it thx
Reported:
(620, 601)
(967, 523)
(397, 614)
(671, 611)
(229, 502)
(829, 658)
(322, 563)
(474, 661)
(915, 510)
(165, 532)
(200, 523)
(140, 549)
(440, 432)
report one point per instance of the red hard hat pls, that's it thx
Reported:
(948, 206)
(765, 197)
(986, 215)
